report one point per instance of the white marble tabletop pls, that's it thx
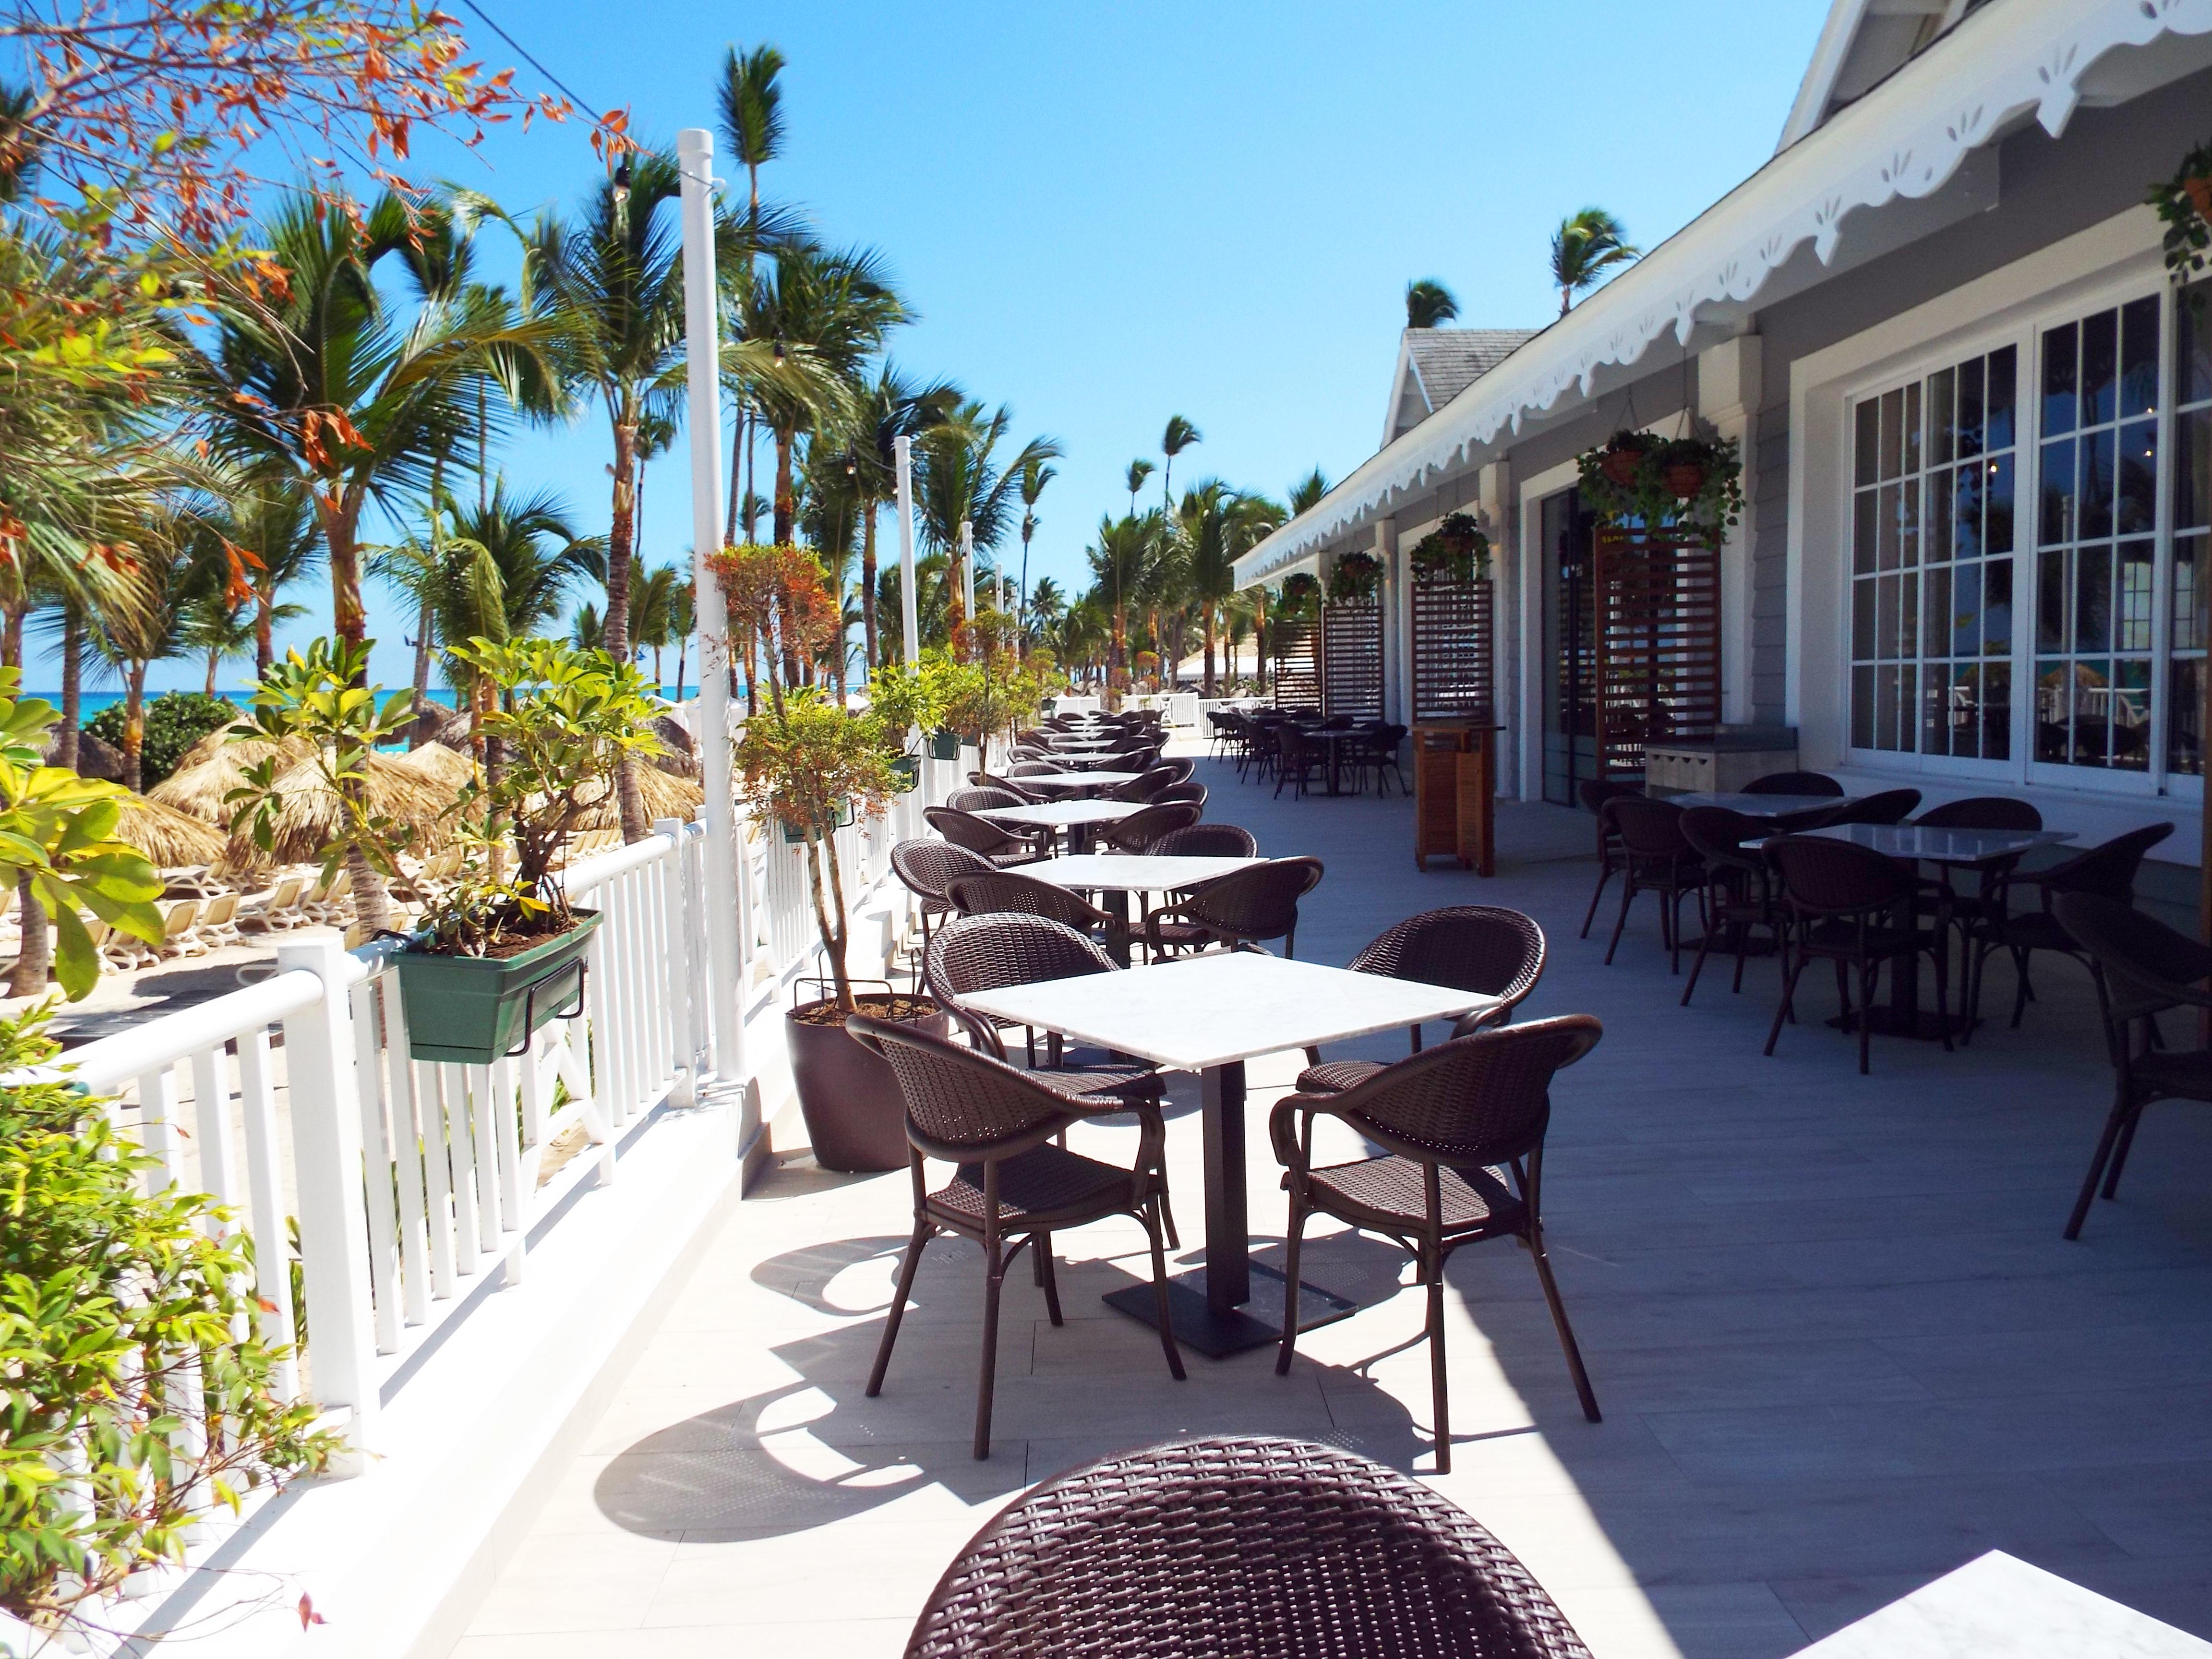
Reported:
(1757, 807)
(1083, 743)
(1076, 780)
(1132, 872)
(1059, 813)
(1998, 1607)
(1937, 846)
(1209, 1010)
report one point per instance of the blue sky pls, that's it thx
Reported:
(1109, 214)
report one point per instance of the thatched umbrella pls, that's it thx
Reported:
(448, 769)
(213, 767)
(311, 814)
(166, 836)
(665, 796)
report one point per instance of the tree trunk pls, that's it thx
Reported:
(627, 797)
(821, 851)
(682, 645)
(349, 618)
(1209, 650)
(134, 726)
(36, 956)
(265, 629)
(371, 902)
(11, 634)
(425, 721)
(737, 477)
(750, 509)
(787, 505)
(72, 684)
(868, 586)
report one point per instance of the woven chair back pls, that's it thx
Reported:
(926, 866)
(2110, 868)
(1794, 783)
(1206, 840)
(1826, 878)
(1137, 832)
(1469, 947)
(960, 1104)
(1649, 828)
(1717, 835)
(1474, 1101)
(983, 952)
(1192, 792)
(1238, 1546)
(1257, 904)
(1890, 806)
(965, 830)
(1004, 892)
(981, 800)
(1981, 812)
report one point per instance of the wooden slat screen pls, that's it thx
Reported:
(1658, 644)
(1454, 668)
(1295, 648)
(1351, 660)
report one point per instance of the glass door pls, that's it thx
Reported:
(1569, 534)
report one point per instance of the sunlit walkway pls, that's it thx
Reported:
(1840, 1346)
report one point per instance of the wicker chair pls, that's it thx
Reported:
(1183, 767)
(1192, 791)
(1206, 840)
(2144, 968)
(1446, 1119)
(1611, 859)
(1144, 786)
(1981, 812)
(1223, 1548)
(1002, 846)
(1141, 828)
(927, 868)
(1858, 908)
(1890, 806)
(2107, 870)
(995, 1124)
(1794, 783)
(1468, 947)
(1297, 758)
(1009, 892)
(1740, 892)
(1656, 860)
(983, 798)
(1243, 909)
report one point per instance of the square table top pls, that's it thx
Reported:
(1759, 807)
(1075, 779)
(1062, 813)
(1058, 742)
(1132, 872)
(1208, 1011)
(1967, 848)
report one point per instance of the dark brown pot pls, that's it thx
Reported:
(1686, 478)
(2199, 192)
(855, 1120)
(1620, 466)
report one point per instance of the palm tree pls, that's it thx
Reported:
(1219, 526)
(1045, 606)
(1034, 475)
(1428, 303)
(753, 125)
(1121, 559)
(960, 478)
(1585, 246)
(222, 631)
(354, 402)
(655, 611)
(892, 407)
(1139, 471)
(1180, 435)
(1306, 494)
(145, 625)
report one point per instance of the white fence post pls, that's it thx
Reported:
(333, 1218)
(682, 969)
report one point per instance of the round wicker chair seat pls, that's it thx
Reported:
(1390, 1188)
(1238, 1546)
(1045, 1180)
(1334, 1077)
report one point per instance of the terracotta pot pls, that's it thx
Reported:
(2199, 192)
(1686, 478)
(855, 1120)
(1620, 466)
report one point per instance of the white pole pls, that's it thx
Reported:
(695, 149)
(910, 604)
(967, 569)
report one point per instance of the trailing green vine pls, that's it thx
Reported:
(1693, 483)
(1356, 579)
(2184, 204)
(1454, 554)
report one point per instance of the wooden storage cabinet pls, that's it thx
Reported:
(1455, 794)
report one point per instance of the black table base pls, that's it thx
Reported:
(1218, 1335)
(1922, 1022)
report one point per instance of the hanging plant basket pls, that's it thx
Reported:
(907, 769)
(795, 833)
(471, 1011)
(2184, 204)
(1300, 594)
(944, 744)
(1692, 483)
(1356, 579)
(1454, 554)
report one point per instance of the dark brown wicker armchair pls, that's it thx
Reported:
(1206, 840)
(1008, 890)
(2144, 968)
(1447, 1119)
(1010, 1187)
(1002, 846)
(1245, 908)
(1468, 947)
(1858, 908)
(1137, 832)
(1795, 783)
(1229, 1548)
(1655, 859)
(927, 868)
(1740, 891)
(1610, 857)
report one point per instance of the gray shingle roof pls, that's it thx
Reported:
(1450, 359)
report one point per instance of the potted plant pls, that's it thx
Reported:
(1622, 454)
(805, 762)
(1455, 552)
(1300, 593)
(906, 701)
(1356, 579)
(2185, 205)
(1692, 483)
(500, 953)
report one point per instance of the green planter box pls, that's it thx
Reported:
(908, 767)
(469, 1011)
(796, 835)
(944, 745)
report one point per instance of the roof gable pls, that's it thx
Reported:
(1435, 365)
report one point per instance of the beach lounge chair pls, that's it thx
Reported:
(218, 923)
(277, 909)
(179, 929)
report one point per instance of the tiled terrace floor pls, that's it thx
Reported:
(1840, 1345)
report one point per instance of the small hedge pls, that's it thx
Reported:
(114, 1307)
(175, 721)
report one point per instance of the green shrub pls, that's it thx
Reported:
(175, 721)
(114, 1308)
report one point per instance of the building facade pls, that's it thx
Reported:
(1975, 415)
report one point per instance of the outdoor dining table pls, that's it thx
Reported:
(1333, 739)
(1076, 817)
(1209, 1014)
(1075, 782)
(1759, 807)
(1951, 850)
(1120, 874)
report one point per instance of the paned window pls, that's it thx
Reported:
(2192, 529)
(1932, 468)
(2096, 523)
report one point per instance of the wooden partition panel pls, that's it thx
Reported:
(1454, 666)
(1658, 644)
(1351, 660)
(1295, 648)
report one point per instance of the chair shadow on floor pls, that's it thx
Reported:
(815, 1450)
